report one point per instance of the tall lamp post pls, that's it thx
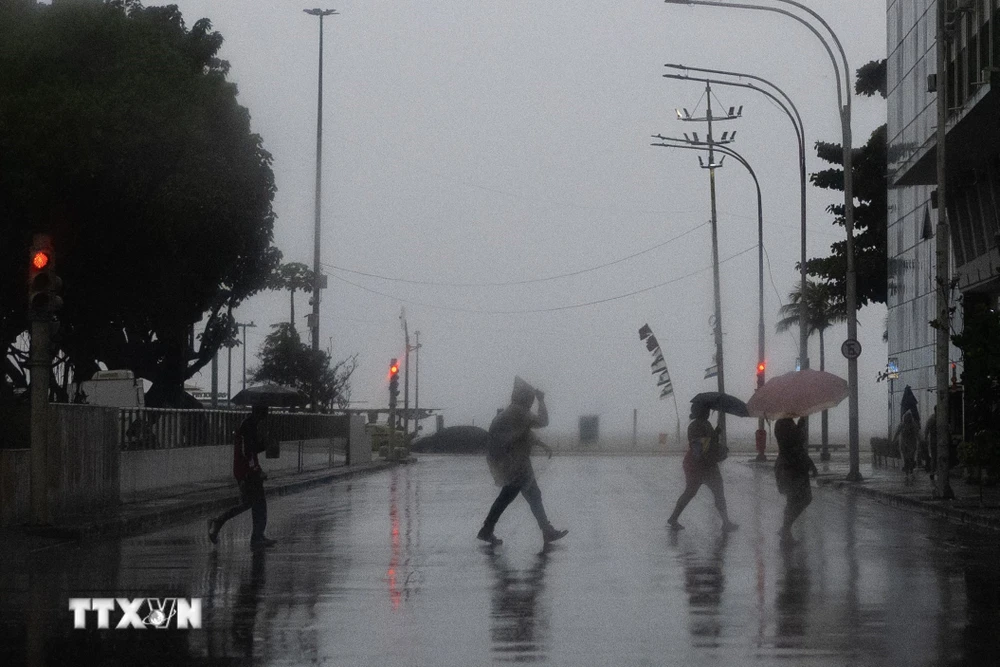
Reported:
(669, 142)
(317, 278)
(844, 108)
(786, 104)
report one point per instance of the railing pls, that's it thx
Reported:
(163, 428)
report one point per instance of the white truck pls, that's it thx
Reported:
(115, 389)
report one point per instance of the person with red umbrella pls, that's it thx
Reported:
(701, 466)
(791, 472)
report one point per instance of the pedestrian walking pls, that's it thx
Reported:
(907, 439)
(508, 452)
(791, 472)
(909, 404)
(251, 438)
(930, 442)
(701, 466)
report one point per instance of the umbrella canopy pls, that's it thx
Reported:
(797, 394)
(720, 402)
(271, 395)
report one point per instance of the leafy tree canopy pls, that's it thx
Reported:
(120, 136)
(286, 360)
(870, 210)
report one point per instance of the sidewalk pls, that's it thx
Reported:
(177, 504)
(887, 485)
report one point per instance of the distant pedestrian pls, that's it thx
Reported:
(251, 438)
(930, 442)
(909, 404)
(907, 439)
(701, 466)
(508, 453)
(791, 472)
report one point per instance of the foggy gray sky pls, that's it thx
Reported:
(497, 142)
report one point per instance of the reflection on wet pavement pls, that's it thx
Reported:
(386, 570)
(519, 615)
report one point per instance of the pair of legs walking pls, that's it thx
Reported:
(529, 489)
(797, 499)
(711, 477)
(251, 498)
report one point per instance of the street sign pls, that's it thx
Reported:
(851, 348)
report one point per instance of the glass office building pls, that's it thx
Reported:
(973, 187)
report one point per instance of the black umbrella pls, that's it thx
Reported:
(720, 402)
(270, 394)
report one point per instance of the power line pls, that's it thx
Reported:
(515, 282)
(543, 310)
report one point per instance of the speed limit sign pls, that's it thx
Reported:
(851, 348)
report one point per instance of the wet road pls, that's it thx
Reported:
(385, 570)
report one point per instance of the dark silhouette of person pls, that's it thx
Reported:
(791, 471)
(251, 438)
(508, 452)
(909, 404)
(701, 466)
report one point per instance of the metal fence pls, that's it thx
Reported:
(163, 428)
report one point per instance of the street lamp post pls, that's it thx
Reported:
(786, 104)
(317, 278)
(710, 143)
(669, 142)
(844, 108)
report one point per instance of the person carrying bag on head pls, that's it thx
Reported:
(508, 453)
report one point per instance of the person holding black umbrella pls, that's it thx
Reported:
(701, 466)
(251, 438)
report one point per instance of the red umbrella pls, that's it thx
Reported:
(797, 394)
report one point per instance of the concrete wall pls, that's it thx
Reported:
(147, 470)
(15, 486)
(83, 459)
(82, 466)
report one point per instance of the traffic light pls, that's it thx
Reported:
(393, 379)
(43, 283)
(761, 367)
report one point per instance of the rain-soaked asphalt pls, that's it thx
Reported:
(385, 570)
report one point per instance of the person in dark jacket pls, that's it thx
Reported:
(251, 438)
(909, 404)
(508, 451)
(701, 466)
(791, 472)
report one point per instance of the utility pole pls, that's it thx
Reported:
(215, 380)
(711, 143)
(406, 382)
(416, 389)
(942, 486)
(244, 327)
(318, 279)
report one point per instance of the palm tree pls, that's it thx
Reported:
(292, 276)
(823, 310)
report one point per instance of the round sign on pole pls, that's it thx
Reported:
(851, 348)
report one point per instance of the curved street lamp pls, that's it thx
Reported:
(844, 108)
(670, 142)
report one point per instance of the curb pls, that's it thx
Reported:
(939, 508)
(124, 526)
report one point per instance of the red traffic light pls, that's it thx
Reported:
(760, 367)
(39, 260)
(393, 369)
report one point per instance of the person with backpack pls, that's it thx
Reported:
(251, 438)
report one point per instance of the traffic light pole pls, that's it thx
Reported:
(39, 361)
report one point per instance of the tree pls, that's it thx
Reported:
(292, 276)
(286, 360)
(823, 309)
(120, 135)
(870, 211)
